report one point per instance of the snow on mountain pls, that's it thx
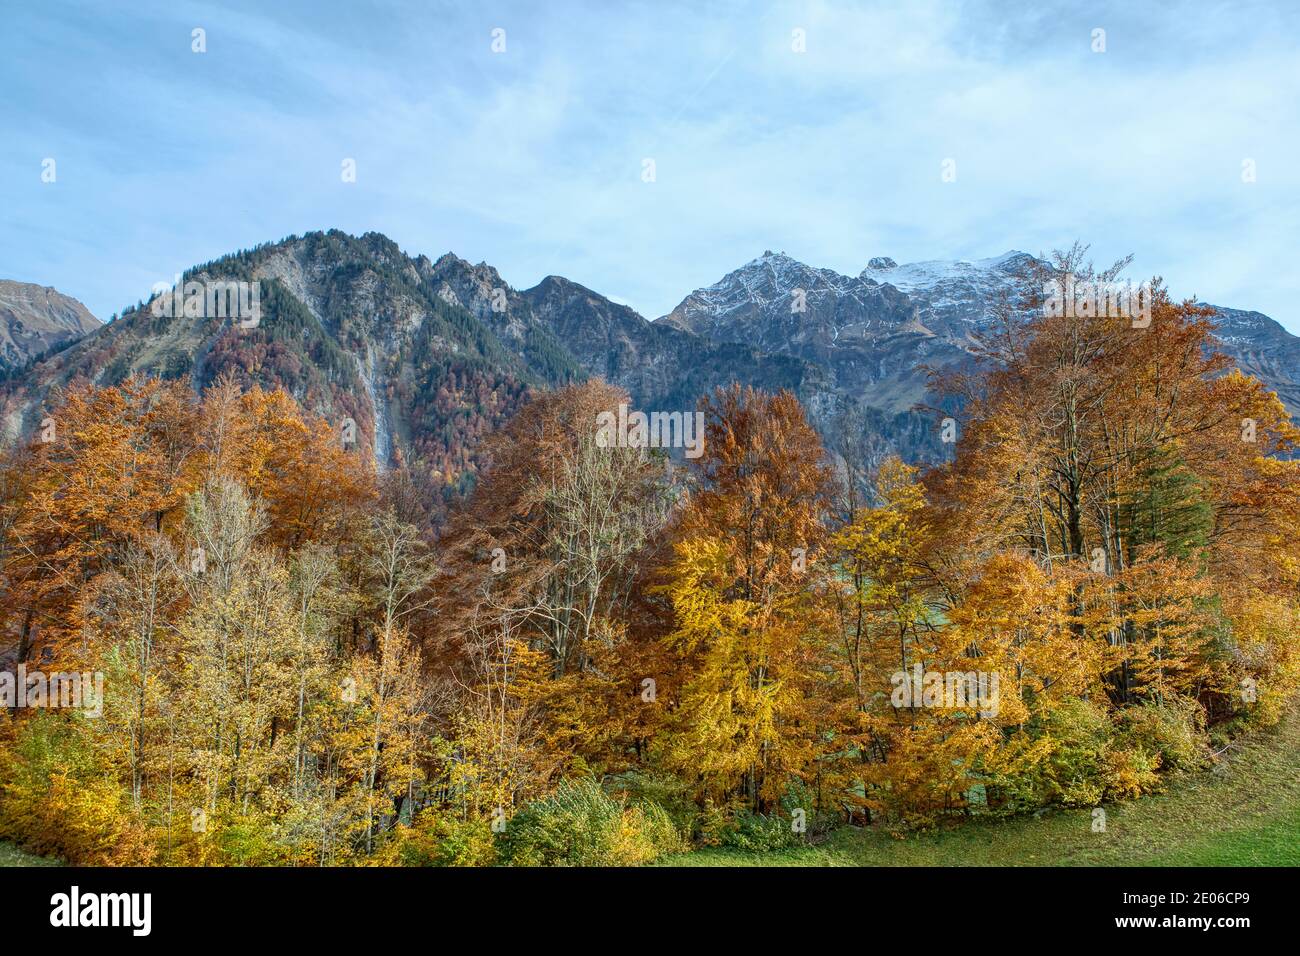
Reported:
(955, 296)
(783, 305)
(878, 329)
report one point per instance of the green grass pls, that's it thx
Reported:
(1245, 811)
(10, 855)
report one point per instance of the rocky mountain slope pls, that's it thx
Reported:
(875, 332)
(427, 356)
(958, 299)
(36, 319)
(662, 367)
(869, 336)
(351, 327)
(1262, 348)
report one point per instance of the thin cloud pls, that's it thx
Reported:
(532, 159)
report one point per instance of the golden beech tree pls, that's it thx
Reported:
(135, 545)
(880, 600)
(744, 723)
(109, 467)
(908, 753)
(313, 483)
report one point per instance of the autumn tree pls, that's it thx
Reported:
(749, 537)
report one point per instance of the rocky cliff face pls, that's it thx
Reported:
(35, 320)
(875, 335)
(1262, 348)
(959, 299)
(662, 367)
(870, 337)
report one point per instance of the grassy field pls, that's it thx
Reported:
(1245, 811)
(10, 855)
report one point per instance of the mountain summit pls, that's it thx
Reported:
(35, 319)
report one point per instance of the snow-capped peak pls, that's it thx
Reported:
(916, 276)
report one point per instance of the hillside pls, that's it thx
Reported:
(352, 328)
(35, 320)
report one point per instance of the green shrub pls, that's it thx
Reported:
(442, 839)
(1175, 730)
(582, 825)
(1080, 755)
(58, 799)
(759, 833)
(672, 794)
(250, 840)
(1074, 772)
(736, 825)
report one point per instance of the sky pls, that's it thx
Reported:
(646, 150)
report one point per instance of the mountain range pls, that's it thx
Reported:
(427, 356)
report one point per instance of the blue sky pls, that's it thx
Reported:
(533, 158)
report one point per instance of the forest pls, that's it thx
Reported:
(605, 654)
